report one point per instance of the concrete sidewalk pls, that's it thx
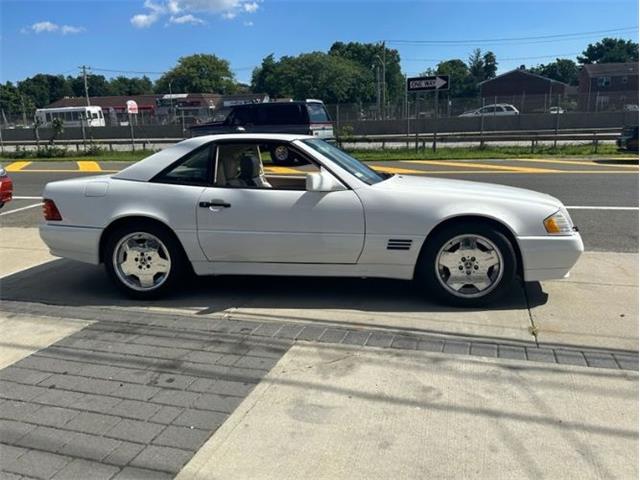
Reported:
(344, 413)
(596, 307)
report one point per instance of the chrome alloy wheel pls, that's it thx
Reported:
(469, 266)
(281, 152)
(141, 261)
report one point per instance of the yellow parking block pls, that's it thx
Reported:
(487, 166)
(88, 166)
(283, 170)
(396, 170)
(16, 166)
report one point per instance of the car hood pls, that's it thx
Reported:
(464, 188)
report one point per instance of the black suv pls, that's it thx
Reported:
(308, 117)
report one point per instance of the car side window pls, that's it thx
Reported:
(284, 114)
(261, 165)
(193, 169)
(243, 116)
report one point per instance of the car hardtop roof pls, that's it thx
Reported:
(149, 167)
(281, 137)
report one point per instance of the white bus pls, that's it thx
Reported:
(71, 116)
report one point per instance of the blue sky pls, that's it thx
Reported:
(52, 36)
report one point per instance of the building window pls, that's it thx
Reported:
(604, 81)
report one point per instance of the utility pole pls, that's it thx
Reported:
(384, 81)
(24, 111)
(86, 86)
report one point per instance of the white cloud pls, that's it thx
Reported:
(227, 9)
(186, 20)
(50, 27)
(173, 6)
(46, 26)
(250, 7)
(70, 29)
(142, 20)
(248, 24)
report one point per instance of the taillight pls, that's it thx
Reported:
(50, 211)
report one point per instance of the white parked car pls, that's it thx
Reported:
(556, 110)
(499, 109)
(205, 205)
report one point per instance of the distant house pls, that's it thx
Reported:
(170, 108)
(529, 92)
(608, 86)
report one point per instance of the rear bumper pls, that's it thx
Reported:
(548, 257)
(76, 243)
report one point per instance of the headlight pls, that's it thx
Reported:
(558, 224)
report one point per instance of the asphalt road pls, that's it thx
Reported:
(602, 194)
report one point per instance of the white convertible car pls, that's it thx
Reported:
(207, 206)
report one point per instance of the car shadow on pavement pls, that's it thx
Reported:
(617, 161)
(65, 282)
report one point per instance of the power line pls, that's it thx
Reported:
(555, 55)
(142, 72)
(532, 39)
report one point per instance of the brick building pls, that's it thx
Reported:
(608, 86)
(529, 92)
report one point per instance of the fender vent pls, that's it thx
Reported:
(399, 244)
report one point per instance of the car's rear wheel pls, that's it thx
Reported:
(144, 260)
(280, 155)
(467, 265)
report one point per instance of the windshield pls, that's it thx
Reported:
(346, 161)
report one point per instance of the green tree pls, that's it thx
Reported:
(610, 50)
(199, 73)
(368, 55)
(563, 70)
(10, 102)
(330, 78)
(97, 85)
(461, 83)
(482, 66)
(490, 65)
(44, 89)
(130, 86)
(476, 65)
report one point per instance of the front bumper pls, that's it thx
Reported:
(549, 257)
(76, 243)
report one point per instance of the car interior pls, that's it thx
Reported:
(241, 165)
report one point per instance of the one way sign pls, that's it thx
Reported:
(421, 84)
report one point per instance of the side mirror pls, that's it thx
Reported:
(323, 181)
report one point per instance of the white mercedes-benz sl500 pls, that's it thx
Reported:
(206, 205)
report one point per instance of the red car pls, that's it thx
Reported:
(6, 187)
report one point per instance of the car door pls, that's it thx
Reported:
(243, 224)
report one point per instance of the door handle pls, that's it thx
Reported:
(215, 203)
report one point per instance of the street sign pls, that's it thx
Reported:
(132, 107)
(422, 84)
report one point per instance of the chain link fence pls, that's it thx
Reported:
(424, 106)
(420, 106)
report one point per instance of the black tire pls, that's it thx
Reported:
(281, 155)
(429, 280)
(179, 263)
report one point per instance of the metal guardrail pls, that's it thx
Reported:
(595, 136)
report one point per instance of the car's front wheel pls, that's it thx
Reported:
(144, 260)
(467, 265)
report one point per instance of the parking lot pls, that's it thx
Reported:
(261, 377)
